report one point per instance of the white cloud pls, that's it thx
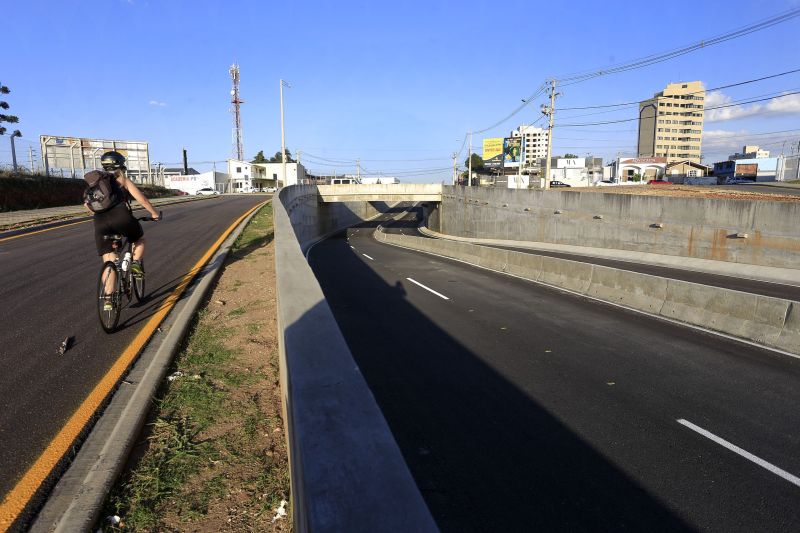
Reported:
(782, 105)
(157, 103)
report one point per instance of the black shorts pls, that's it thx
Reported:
(117, 220)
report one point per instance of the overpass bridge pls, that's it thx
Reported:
(399, 192)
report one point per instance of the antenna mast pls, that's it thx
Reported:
(238, 139)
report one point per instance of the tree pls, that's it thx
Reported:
(477, 162)
(260, 158)
(570, 156)
(11, 119)
(278, 157)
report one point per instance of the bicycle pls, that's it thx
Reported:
(116, 280)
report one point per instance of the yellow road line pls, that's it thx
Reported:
(28, 234)
(19, 497)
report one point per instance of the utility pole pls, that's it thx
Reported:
(469, 174)
(549, 111)
(30, 158)
(185, 164)
(455, 167)
(797, 163)
(358, 170)
(283, 135)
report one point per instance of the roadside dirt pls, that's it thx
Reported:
(215, 458)
(687, 191)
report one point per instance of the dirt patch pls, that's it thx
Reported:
(214, 456)
(688, 191)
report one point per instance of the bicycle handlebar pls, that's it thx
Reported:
(150, 219)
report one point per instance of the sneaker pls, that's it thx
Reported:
(137, 269)
(108, 305)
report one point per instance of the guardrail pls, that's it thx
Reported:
(767, 321)
(347, 471)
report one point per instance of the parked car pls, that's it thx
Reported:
(206, 191)
(737, 181)
(606, 183)
(555, 183)
(659, 182)
(270, 189)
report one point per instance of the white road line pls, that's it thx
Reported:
(744, 453)
(440, 295)
(368, 257)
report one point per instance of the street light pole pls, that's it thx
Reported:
(283, 135)
(14, 150)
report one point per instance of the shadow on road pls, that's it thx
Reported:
(486, 456)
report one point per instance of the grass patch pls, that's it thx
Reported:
(239, 311)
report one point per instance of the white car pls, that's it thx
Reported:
(206, 191)
(737, 181)
(270, 189)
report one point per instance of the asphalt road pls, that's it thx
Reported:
(48, 292)
(522, 408)
(766, 189)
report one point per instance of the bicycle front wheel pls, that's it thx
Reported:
(109, 304)
(138, 284)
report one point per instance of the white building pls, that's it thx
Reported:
(534, 143)
(192, 183)
(246, 177)
(273, 174)
(750, 152)
(636, 169)
(576, 171)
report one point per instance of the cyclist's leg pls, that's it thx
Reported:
(105, 248)
(138, 249)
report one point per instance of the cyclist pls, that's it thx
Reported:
(119, 219)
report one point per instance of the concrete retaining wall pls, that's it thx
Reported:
(690, 227)
(347, 471)
(772, 322)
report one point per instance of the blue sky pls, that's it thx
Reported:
(395, 84)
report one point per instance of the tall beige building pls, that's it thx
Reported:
(671, 123)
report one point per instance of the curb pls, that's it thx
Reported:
(77, 499)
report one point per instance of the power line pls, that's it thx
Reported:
(665, 56)
(721, 106)
(695, 92)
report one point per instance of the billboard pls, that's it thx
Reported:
(493, 152)
(74, 156)
(512, 151)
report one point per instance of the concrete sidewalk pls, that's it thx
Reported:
(32, 217)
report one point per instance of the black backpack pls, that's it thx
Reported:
(102, 191)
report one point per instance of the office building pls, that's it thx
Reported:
(534, 143)
(671, 123)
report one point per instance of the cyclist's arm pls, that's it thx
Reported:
(131, 187)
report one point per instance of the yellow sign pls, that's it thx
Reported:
(493, 152)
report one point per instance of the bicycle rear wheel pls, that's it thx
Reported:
(138, 284)
(108, 289)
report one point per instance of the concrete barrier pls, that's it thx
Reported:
(347, 472)
(698, 228)
(771, 322)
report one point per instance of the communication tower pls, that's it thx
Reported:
(238, 139)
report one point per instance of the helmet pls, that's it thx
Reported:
(112, 160)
